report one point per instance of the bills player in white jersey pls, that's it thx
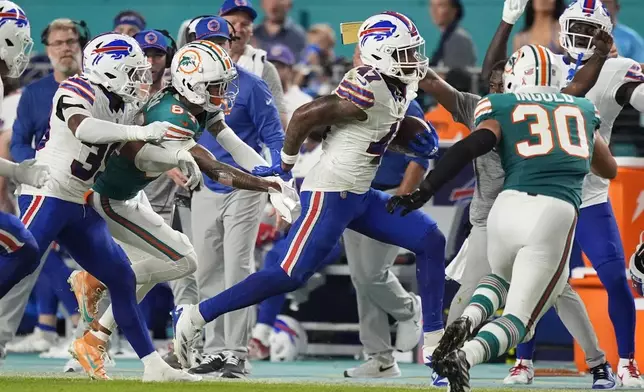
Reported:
(620, 82)
(18, 248)
(91, 114)
(362, 115)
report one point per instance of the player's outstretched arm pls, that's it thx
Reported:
(633, 93)
(603, 163)
(95, 131)
(498, 49)
(228, 175)
(479, 142)
(241, 152)
(586, 77)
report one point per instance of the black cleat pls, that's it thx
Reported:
(457, 370)
(234, 367)
(455, 336)
(211, 365)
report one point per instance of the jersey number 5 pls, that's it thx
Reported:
(563, 116)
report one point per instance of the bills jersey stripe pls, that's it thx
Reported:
(89, 91)
(77, 91)
(366, 94)
(635, 76)
(33, 208)
(356, 94)
(303, 232)
(83, 83)
(349, 96)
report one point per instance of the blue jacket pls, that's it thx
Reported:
(32, 119)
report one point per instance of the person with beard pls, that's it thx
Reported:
(63, 41)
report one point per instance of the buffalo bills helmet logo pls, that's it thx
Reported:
(213, 25)
(378, 31)
(13, 14)
(117, 50)
(151, 38)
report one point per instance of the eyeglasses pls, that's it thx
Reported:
(72, 42)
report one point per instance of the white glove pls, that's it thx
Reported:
(161, 130)
(190, 169)
(27, 172)
(512, 10)
(286, 202)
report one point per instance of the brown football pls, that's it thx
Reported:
(409, 127)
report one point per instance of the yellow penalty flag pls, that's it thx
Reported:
(349, 32)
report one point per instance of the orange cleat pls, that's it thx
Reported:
(88, 291)
(89, 351)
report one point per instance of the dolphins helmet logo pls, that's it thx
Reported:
(378, 31)
(117, 50)
(189, 61)
(13, 14)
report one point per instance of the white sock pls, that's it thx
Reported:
(431, 339)
(196, 317)
(101, 335)
(153, 360)
(474, 352)
(262, 332)
(525, 362)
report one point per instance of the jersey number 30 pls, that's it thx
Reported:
(97, 155)
(543, 128)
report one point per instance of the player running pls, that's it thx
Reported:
(195, 101)
(620, 82)
(91, 115)
(363, 114)
(547, 144)
(18, 248)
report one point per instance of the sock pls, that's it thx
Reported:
(270, 308)
(431, 339)
(488, 297)
(495, 338)
(621, 306)
(107, 320)
(430, 274)
(101, 335)
(250, 291)
(46, 328)
(58, 273)
(262, 332)
(526, 350)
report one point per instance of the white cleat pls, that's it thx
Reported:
(408, 332)
(72, 366)
(167, 373)
(522, 373)
(376, 367)
(36, 342)
(185, 335)
(628, 374)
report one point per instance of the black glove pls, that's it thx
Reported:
(411, 201)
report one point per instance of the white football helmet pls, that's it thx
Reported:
(205, 75)
(578, 25)
(117, 62)
(288, 340)
(15, 38)
(532, 68)
(390, 43)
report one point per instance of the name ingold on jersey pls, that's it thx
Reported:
(544, 97)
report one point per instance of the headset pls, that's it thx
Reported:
(171, 49)
(81, 28)
(233, 32)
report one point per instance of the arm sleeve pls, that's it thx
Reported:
(23, 130)
(483, 111)
(156, 159)
(265, 117)
(272, 79)
(241, 152)
(356, 89)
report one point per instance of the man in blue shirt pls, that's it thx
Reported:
(30, 129)
(225, 221)
(629, 43)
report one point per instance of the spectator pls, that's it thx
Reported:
(225, 221)
(283, 59)
(317, 60)
(129, 22)
(629, 43)
(541, 25)
(241, 14)
(62, 39)
(455, 48)
(278, 28)
(155, 45)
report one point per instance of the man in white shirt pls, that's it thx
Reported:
(283, 59)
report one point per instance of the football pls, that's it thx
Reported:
(409, 127)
